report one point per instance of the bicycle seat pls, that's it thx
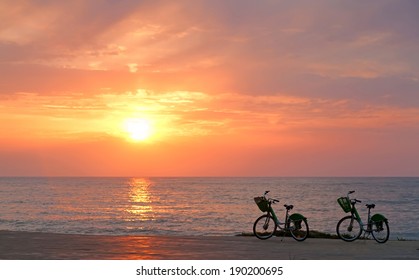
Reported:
(288, 207)
(369, 206)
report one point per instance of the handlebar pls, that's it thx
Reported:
(353, 199)
(270, 199)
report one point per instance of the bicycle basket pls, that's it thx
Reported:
(345, 204)
(262, 203)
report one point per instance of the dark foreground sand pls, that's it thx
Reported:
(31, 246)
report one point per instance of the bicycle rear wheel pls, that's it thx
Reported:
(348, 229)
(264, 227)
(298, 229)
(380, 231)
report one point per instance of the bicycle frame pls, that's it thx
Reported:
(286, 224)
(355, 214)
(277, 221)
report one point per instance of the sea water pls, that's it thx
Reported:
(195, 206)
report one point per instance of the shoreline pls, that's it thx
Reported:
(17, 245)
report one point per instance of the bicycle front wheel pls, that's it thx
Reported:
(298, 229)
(348, 229)
(264, 227)
(380, 231)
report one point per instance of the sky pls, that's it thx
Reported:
(209, 88)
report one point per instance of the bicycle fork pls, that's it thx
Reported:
(351, 224)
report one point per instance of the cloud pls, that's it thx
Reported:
(334, 49)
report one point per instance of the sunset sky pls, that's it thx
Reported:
(209, 88)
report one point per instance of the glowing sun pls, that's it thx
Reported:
(138, 129)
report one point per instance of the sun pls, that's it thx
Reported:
(138, 129)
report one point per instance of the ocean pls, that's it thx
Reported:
(217, 206)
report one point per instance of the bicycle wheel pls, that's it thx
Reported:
(298, 229)
(348, 228)
(380, 231)
(264, 227)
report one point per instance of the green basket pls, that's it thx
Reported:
(262, 203)
(345, 204)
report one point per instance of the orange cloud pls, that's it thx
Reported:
(271, 86)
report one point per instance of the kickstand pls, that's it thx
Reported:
(367, 235)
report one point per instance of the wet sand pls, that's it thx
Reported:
(48, 246)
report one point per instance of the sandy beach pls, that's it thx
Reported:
(49, 246)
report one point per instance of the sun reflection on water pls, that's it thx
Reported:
(140, 200)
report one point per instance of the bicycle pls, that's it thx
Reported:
(266, 225)
(350, 228)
